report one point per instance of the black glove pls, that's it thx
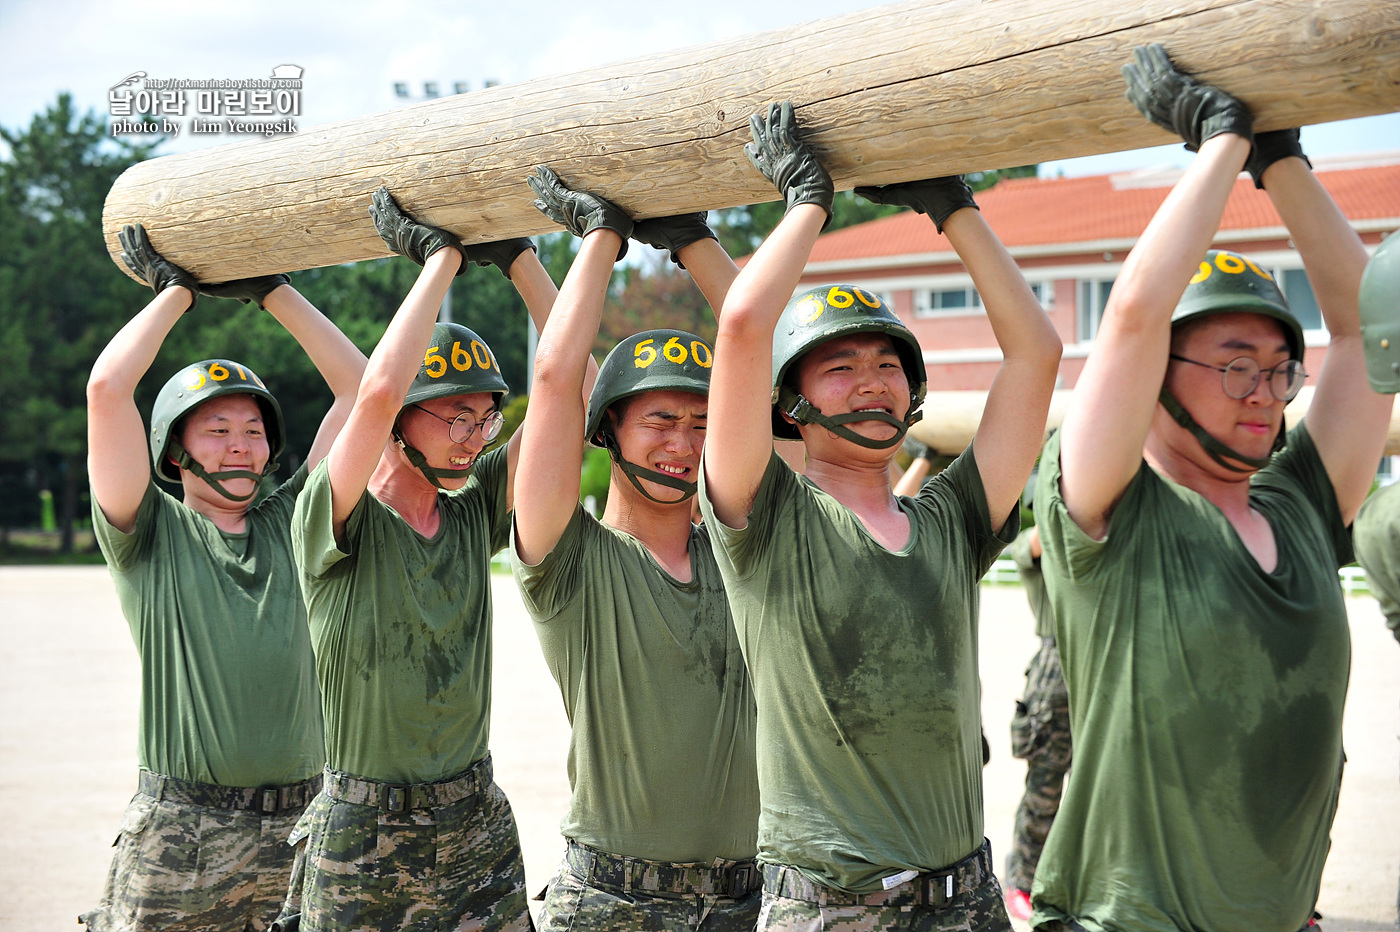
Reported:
(787, 161)
(407, 236)
(579, 212)
(500, 253)
(246, 289)
(1179, 103)
(673, 233)
(150, 266)
(940, 198)
(1269, 148)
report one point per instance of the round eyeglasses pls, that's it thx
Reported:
(1239, 377)
(461, 427)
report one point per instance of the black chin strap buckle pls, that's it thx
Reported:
(799, 410)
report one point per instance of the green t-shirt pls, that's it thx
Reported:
(1205, 701)
(401, 624)
(661, 759)
(1376, 536)
(228, 684)
(864, 665)
(1033, 582)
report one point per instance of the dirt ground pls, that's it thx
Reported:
(69, 684)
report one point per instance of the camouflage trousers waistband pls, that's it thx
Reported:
(403, 797)
(932, 888)
(732, 879)
(266, 800)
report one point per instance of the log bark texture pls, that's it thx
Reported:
(912, 90)
(951, 419)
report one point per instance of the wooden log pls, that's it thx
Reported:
(912, 90)
(951, 419)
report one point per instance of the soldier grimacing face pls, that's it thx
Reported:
(859, 372)
(664, 431)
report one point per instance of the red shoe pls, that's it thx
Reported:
(1018, 904)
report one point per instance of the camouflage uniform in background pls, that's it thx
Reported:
(186, 868)
(1039, 730)
(369, 868)
(1039, 736)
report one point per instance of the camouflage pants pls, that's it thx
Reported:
(1040, 736)
(573, 902)
(185, 868)
(791, 903)
(451, 865)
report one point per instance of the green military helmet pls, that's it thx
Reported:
(1380, 317)
(191, 387)
(1227, 282)
(826, 313)
(651, 361)
(456, 362)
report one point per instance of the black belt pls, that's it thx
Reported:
(267, 800)
(733, 879)
(403, 797)
(932, 888)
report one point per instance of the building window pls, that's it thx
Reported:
(1093, 296)
(1301, 300)
(1044, 293)
(930, 303)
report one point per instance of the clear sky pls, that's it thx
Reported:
(353, 51)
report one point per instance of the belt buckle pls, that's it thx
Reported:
(395, 797)
(740, 876)
(268, 800)
(939, 888)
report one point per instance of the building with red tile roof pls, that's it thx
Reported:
(1069, 236)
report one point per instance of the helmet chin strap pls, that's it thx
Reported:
(420, 462)
(635, 474)
(804, 412)
(1214, 448)
(216, 480)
